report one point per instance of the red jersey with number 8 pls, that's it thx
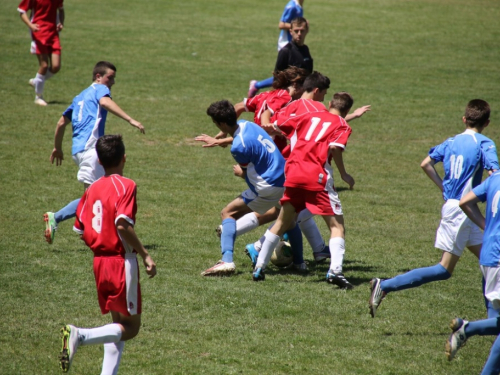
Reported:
(311, 130)
(102, 205)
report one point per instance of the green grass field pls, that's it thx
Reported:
(416, 62)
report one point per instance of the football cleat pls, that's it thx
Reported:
(376, 296)
(252, 253)
(69, 346)
(31, 82)
(302, 267)
(50, 226)
(338, 279)
(323, 255)
(218, 231)
(220, 269)
(40, 101)
(457, 339)
(258, 274)
(252, 90)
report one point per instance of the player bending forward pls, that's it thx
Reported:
(105, 220)
(318, 136)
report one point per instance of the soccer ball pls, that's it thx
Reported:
(282, 255)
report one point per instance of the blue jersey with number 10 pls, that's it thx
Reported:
(88, 117)
(464, 157)
(254, 150)
(489, 191)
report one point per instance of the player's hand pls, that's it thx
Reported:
(238, 171)
(361, 111)
(271, 129)
(60, 26)
(209, 141)
(138, 125)
(348, 179)
(56, 155)
(150, 266)
(34, 27)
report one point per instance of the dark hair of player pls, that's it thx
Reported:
(299, 21)
(222, 112)
(101, 68)
(289, 77)
(477, 113)
(316, 80)
(110, 150)
(342, 102)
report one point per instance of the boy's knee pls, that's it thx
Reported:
(55, 68)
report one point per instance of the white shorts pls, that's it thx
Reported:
(492, 285)
(89, 168)
(263, 202)
(456, 231)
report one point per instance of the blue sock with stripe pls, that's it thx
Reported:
(227, 239)
(415, 278)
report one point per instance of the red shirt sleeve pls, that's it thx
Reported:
(126, 207)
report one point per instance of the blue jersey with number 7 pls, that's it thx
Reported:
(87, 117)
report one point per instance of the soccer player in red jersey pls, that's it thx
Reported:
(105, 220)
(47, 20)
(316, 136)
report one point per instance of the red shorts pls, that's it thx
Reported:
(50, 46)
(117, 282)
(322, 203)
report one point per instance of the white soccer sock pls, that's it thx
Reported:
(312, 234)
(267, 249)
(258, 244)
(112, 356)
(246, 223)
(100, 335)
(39, 83)
(337, 251)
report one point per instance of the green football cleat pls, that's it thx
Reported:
(50, 226)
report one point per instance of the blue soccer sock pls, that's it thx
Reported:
(295, 239)
(415, 278)
(264, 83)
(67, 212)
(227, 239)
(485, 327)
(492, 366)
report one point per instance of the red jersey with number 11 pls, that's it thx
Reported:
(103, 203)
(311, 130)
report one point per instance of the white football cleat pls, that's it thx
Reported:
(457, 339)
(40, 101)
(31, 82)
(220, 269)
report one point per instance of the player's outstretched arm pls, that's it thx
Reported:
(428, 167)
(213, 142)
(239, 108)
(469, 206)
(108, 104)
(339, 162)
(358, 113)
(127, 232)
(57, 153)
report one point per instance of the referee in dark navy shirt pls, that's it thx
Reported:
(296, 53)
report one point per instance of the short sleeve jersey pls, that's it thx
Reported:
(44, 14)
(102, 205)
(294, 55)
(273, 100)
(464, 157)
(292, 10)
(254, 150)
(489, 191)
(311, 130)
(88, 117)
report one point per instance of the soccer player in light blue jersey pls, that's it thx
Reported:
(262, 167)
(293, 9)
(464, 157)
(489, 261)
(87, 113)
